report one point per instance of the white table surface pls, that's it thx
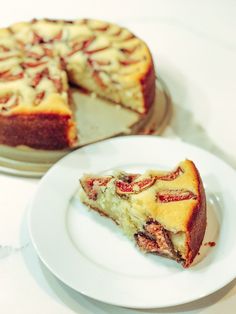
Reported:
(194, 47)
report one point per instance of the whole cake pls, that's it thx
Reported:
(164, 212)
(38, 61)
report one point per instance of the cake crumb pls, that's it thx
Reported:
(210, 243)
(148, 131)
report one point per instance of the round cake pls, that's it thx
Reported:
(40, 59)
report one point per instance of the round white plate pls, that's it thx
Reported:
(89, 252)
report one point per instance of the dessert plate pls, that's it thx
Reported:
(90, 254)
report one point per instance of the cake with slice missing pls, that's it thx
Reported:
(164, 212)
(40, 59)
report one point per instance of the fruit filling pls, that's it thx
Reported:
(155, 239)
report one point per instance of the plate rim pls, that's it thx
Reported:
(125, 138)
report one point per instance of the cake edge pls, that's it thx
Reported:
(195, 232)
(48, 131)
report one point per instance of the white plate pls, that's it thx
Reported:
(90, 254)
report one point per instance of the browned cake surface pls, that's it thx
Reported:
(41, 131)
(197, 224)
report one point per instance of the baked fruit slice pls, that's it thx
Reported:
(164, 212)
(38, 61)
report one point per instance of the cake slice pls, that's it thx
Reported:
(164, 212)
(35, 104)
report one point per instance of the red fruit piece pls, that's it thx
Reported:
(4, 73)
(75, 48)
(47, 52)
(34, 55)
(78, 46)
(6, 58)
(89, 52)
(88, 42)
(98, 181)
(20, 44)
(58, 84)
(15, 77)
(58, 36)
(4, 99)
(129, 50)
(62, 63)
(7, 76)
(146, 243)
(130, 36)
(161, 236)
(39, 97)
(32, 64)
(117, 33)
(129, 62)
(172, 175)
(38, 76)
(124, 187)
(91, 184)
(175, 196)
(210, 243)
(102, 28)
(94, 62)
(128, 177)
(4, 48)
(133, 187)
(143, 184)
(37, 39)
(98, 79)
(14, 104)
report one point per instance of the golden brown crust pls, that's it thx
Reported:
(197, 224)
(41, 131)
(149, 87)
